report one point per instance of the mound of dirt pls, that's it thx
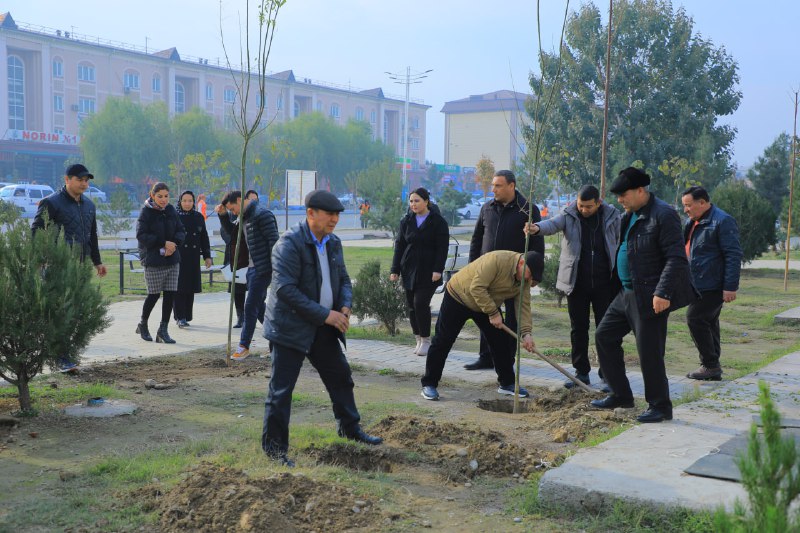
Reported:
(354, 457)
(462, 451)
(568, 413)
(214, 498)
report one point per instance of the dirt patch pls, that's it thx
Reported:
(212, 498)
(503, 406)
(355, 457)
(567, 415)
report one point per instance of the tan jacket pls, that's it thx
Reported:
(487, 282)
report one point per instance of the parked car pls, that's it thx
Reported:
(470, 210)
(25, 195)
(96, 194)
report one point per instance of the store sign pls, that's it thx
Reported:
(42, 137)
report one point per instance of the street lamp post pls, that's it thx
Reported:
(407, 80)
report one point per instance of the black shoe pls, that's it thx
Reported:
(611, 402)
(480, 364)
(582, 377)
(361, 436)
(239, 323)
(183, 324)
(142, 330)
(605, 388)
(162, 335)
(282, 459)
(654, 415)
(705, 373)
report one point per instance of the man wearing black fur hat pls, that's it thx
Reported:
(652, 268)
(476, 292)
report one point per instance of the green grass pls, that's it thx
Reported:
(45, 397)
(161, 463)
(356, 256)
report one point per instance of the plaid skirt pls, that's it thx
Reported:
(162, 278)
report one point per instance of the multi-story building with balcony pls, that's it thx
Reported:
(56, 79)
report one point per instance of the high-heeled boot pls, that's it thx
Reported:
(419, 342)
(143, 330)
(162, 335)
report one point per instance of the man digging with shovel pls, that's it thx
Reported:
(476, 292)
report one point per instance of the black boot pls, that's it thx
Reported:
(162, 335)
(239, 322)
(142, 330)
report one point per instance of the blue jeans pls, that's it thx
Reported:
(254, 305)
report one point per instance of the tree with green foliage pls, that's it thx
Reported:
(8, 212)
(484, 172)
(771, 476)
(450, 201)
(770, 173)
(682, 173)
(668, 89)
(753, 214)
(57, 307)
(375, 295)
(126, 140)
(115, 217)
(191, 133)
(382, 185)
(550, 273)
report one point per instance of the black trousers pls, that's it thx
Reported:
(485, 353)
(452, 317)
(578, 304)
(621, 318)
(702, 317)
(327, 358)
(183, 305)
(418, 301)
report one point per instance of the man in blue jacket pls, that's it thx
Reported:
(715, 259)
(261, 234)
(652, 268)
(308, 313)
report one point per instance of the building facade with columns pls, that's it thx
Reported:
(55, 80)
(488, 125)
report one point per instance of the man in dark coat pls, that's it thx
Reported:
(229, 231)
(75, 215)
(715, 259)
(308, 313)
(261, 232)
(651, 265)
(500, 226)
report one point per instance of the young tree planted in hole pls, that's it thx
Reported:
(56, 308)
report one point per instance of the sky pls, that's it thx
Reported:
(472, 47)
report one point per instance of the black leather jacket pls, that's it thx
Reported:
(77, 219)
(657, 258)
(500, 228)
(293, 311)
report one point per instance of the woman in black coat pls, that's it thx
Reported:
(194, 245)
(160, 233)
(420, 252)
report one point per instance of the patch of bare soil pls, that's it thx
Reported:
(567, 415)
(354, 457)
(212, 498)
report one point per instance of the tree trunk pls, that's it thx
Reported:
(24, 393)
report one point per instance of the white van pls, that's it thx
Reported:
(25, 196)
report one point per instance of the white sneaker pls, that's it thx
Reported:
(241, 353)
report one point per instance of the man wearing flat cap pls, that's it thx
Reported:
(74, 214)
(476, 292)
(308, 313)
(652, 268)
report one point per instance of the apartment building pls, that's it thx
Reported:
(485, 124)
(56, 79)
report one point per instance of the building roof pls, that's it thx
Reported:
(286, 75)
(377, 92)
(7, 22)
(169, 53)
(503, 100)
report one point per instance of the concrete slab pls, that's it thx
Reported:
(645, 465)
(106, 409)
(790, 316)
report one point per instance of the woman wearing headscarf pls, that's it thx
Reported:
(160, 233)
(420, 252)
(194, 245)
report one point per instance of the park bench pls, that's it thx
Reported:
(131, 257)
(457, 257)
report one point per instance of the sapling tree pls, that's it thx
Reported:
(51, 308)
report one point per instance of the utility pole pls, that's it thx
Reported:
(407, 79)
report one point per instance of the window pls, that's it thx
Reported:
(58, 68)
(156, 83)
(258, 99)
(130, 80)
(359, 113)
(86, 105)
(229, 96)
(180, 98)
(415, 144)
(209, 91)
(319, 106)
(414, 123)
(16, 93)
(296, 108)
(279, 103)
(35, 193)
(86, 73)
(372, 117)
(58, 103)
(335, 110)
(58, 131)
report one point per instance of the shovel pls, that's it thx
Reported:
(555, 365)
